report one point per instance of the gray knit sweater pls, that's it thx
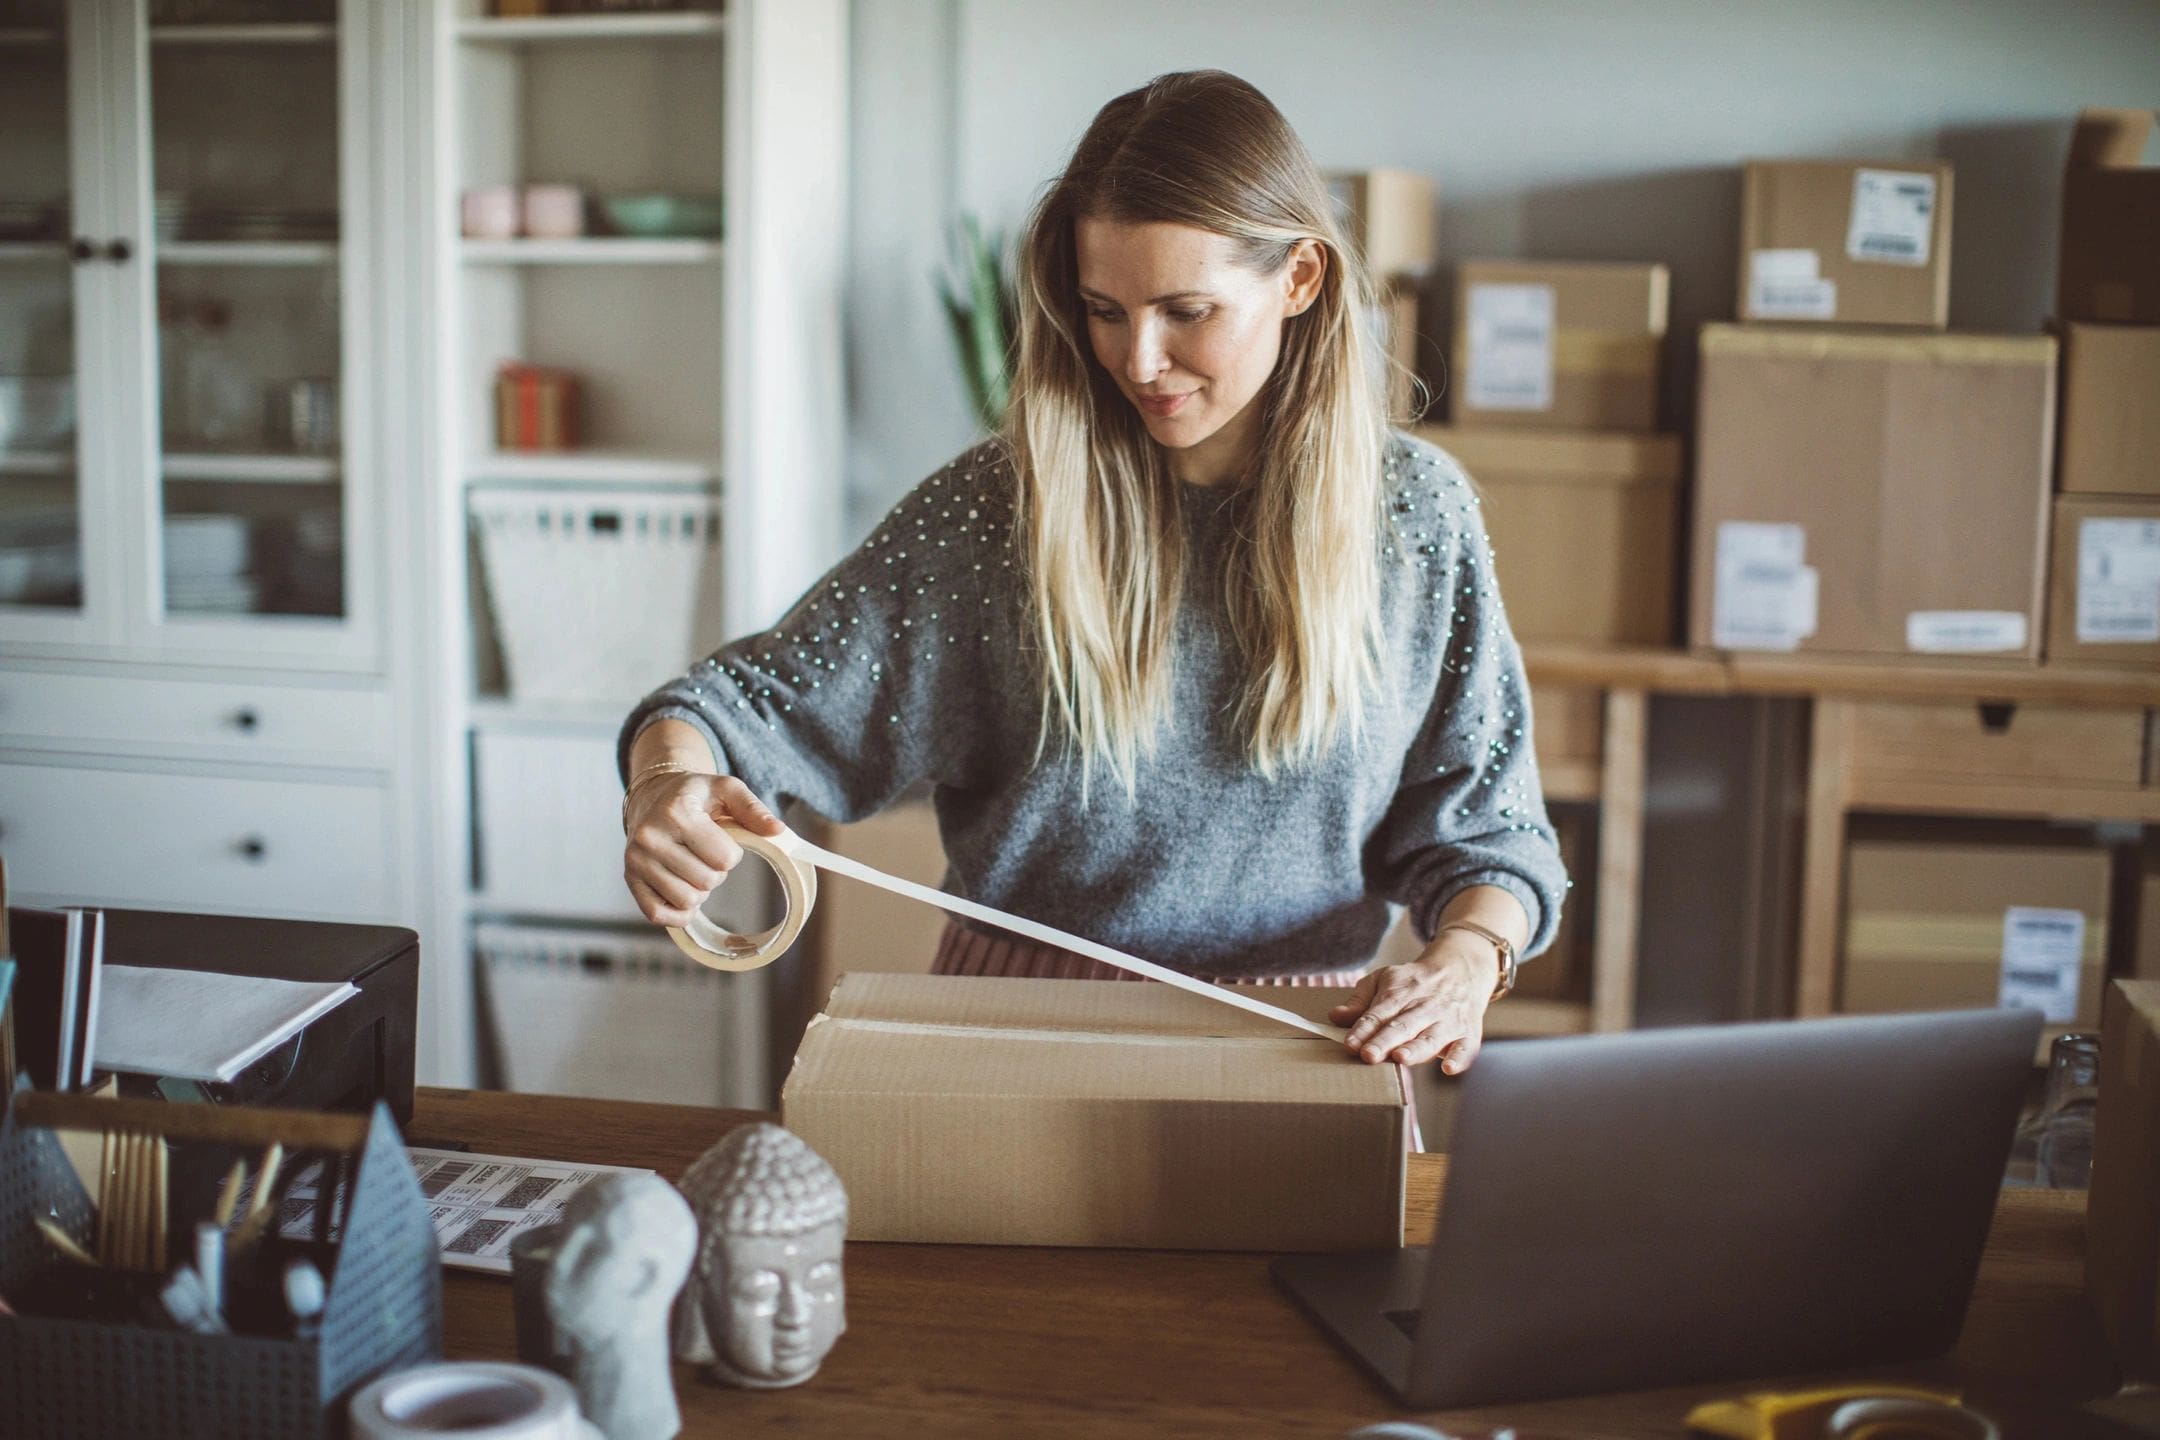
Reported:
(908, 663)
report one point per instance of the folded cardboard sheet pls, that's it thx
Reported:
(993, 1111)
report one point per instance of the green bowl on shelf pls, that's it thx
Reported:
(663, 216)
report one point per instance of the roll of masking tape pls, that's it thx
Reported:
(471, 1399)
(796, 862)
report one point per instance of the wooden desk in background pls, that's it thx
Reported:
(974, 1341)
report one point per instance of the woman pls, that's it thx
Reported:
(1200, 660)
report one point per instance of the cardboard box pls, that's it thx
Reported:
(1934, 925)
(2145, 961)
(1584, 527)
(2111, 409)
(2110, 252)
(2122, 1210)
(1558, 346)
(1391, 219)
(987, 1111)
(1851, 242)
(1395, 322)
(1845, 484)
(2104, 582)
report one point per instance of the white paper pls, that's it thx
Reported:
(202, 1024)
(2040, 953)
(1965, 632)
(1893, 217)
(1765, 594)
(479, 1203)
(1509, 363)
(2118, 593)
(1788, 285)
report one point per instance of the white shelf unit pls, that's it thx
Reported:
(697, 357)
(35, 462)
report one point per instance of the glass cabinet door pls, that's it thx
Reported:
(42, 543)
(251, 517)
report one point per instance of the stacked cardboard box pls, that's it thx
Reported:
(1847, 473)
(1389, 215)
(1854, 243)
(1846, 481)
(1555, 405)
(1932, 925)
(2104, 595)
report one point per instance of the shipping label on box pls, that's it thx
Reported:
(2042, 952)
(1766, 595)
(993, 1111)
(1893, 217)
(1510, 347)
(1789, 285)
(2118, 593)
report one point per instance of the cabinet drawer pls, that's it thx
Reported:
(195, 842)
(1984, 744)
(281, 723)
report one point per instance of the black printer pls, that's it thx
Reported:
(349, 1058)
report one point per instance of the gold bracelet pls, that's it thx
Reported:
(1505, 981)
(652, 772)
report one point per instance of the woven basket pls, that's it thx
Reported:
(599, 595)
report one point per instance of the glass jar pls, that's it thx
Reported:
(2054, 1148)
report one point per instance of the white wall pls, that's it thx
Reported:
(1557, 130)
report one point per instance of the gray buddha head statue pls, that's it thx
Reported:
(765, 1300)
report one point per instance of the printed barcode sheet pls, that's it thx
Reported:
(479, 1203)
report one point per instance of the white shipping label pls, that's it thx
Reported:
(1788, 285)
(1965, 632)
(2040, 953)
(2118, 593)
(1510, 358)
(1765, 593)
(1893, 217)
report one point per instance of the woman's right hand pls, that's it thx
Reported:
(677, 854)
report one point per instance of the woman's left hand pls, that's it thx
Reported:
(1433, 1006)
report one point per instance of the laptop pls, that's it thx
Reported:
(1630, 1211)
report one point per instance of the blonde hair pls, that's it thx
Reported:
(1102, 527)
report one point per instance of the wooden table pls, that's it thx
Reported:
(952, 1341)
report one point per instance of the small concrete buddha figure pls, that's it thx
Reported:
(625, 1245)
(765, 1301)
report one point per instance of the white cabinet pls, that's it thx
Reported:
(207, 696)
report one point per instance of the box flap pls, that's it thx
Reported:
(2110, 139)
(1081, 1039)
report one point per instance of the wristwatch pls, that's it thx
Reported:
(1506, 982)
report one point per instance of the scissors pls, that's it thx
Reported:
(1858, 1412)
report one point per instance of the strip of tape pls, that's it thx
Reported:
(796, 861)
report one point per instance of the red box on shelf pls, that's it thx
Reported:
(536, 407)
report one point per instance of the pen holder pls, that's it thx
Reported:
(80, 1379)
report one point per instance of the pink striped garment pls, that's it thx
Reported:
(963, 951)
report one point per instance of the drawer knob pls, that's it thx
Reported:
(245, 719)
(253, 847)
(1996, 715)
